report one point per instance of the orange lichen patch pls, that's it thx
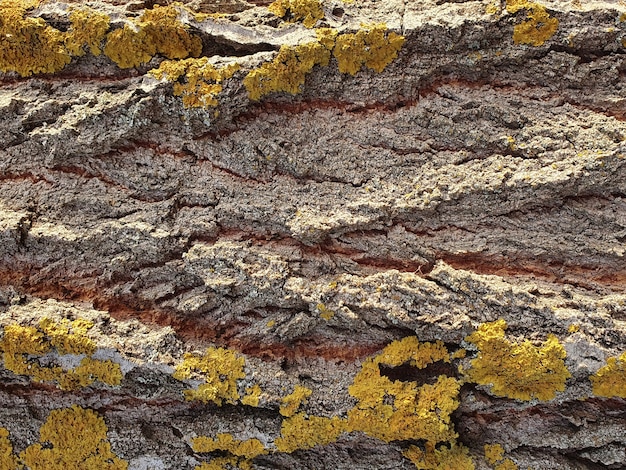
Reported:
(88, 27)
(292, 402)
(202, 80)
(517, 370)
(252, 396)
(8, 460)
(304, 432)
(21, 345)
(307, 11)
(158, 31)
(610, 380)
(373, 47)
(28, 45)
(537, 28)
(219, 368)
(455, 457)
(72, 438)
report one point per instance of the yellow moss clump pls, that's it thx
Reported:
(372, 47)
(537, 28)
(455, 457)
(610, 380)
(88, 27)
(220, 368)
(309, 11)
(28, 45)
(202, 80)
(521, 371)
(158, 31)
(21, 345)
(304, 432)
(292, 402)
(72, 438)
(8, 460)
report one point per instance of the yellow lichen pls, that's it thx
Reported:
(88, 27)
(202, 80)
(72, 438)
(492, 8)
(252, 396)
(506, 464)
(455, 457)
(325, 312)
(292, 402)
(21, 345)
(28, 45)
(68, 337)
(373, 47)
(573, 328)
(517, 370)
(309, 11)
(493, 453)
(387, 410)
(247, 449)
(242, 452)
(304, 432)
(158, 31)
(397, 410)
(538, 27)
(220, 368)
(287, 72)
(610, 380)
(8, 460)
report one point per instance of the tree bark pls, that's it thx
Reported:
(476, 174)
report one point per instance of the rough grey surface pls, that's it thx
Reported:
(473, 179)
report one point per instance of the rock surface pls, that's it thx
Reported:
(481, 175)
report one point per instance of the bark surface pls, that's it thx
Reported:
(479, 176)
